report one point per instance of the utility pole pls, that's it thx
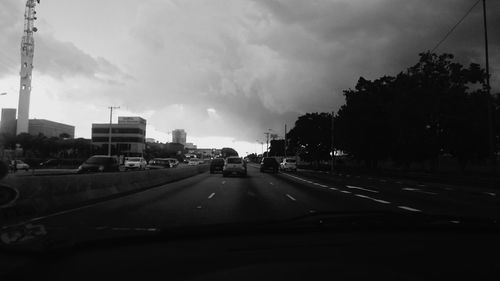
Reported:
(267, 142)
(491, 136)
(110, 125)
(285, 142)
(332, 147)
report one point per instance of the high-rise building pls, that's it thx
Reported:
(179, 136)
(8, 123)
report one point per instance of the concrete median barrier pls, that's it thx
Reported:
(40, 195)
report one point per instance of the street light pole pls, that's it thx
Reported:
(332, 147)
(110, 125)
(491, 138)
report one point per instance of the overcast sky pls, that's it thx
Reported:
(226, 71)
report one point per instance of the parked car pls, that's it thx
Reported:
(173, 162)
(51, 163)
(234, 165)
(135, 163)
(19, 165)
(269, 164)
(288, 164)
(100, 163)
(217, 165)
(158, 163)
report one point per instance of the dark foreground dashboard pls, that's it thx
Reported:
(444, 254)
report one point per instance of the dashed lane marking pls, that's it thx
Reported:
(418, 190)
(409, 209)
(291, 198)
(361, 188)
(333, 188)
(374, 199)
(211, 195)
(345, 191)
(490, 193)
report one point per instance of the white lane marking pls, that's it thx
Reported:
(374, 199)
(490, 193)
(223, 182)
(361, 188)
(271, 183)
(291, 198)
(345, 191)
(381, 201)
(333, 188)
(198, 207)
(418, 190)
(211, 195)
(409, 209)
(322, 185)
(455, 221)
(421, 185)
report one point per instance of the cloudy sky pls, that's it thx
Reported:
(226, 71)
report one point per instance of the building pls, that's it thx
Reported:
(50, 128)
(151, 140)
(128, 136)
(190, 145)
(8, 123)
(179, 136)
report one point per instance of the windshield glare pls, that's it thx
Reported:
(166, 115)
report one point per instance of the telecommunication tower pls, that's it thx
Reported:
(27, 52)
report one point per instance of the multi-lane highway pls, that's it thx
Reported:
(212, 199)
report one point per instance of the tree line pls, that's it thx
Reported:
(436, 107)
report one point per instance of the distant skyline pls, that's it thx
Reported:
(226, 71)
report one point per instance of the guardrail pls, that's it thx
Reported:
(48, 194)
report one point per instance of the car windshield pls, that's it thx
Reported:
(245, 113)
(134, 159)
(98, 160)
(234, 161)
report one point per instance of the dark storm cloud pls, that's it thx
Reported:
(52, 57)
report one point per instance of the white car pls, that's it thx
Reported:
(19, 165)
(288, 164)
(135, 163)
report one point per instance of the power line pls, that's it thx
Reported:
(455, 26)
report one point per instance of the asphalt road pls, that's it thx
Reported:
(212, 199)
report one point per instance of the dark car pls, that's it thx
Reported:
(51, 163)
(217, 165)
(269, 164)
(100, 163)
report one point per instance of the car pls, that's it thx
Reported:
(173, 162)
(100, 163)
(216, 165)
(288, 164)
(234, 165)
(50, 163)
(269, 164)
(19, 165)
(135, 163)
(158, 163)
(193, 161)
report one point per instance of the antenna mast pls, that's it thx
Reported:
(27, 52)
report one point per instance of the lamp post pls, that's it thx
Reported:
(110, 125)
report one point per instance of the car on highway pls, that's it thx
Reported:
(100, 163)
(173, 162)
(135, 163)
(216, 165)
(158, 163)
(234, 165)
(19, 165)
(193, 162)
(269, 164)
(288, 164)
(50, 163)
